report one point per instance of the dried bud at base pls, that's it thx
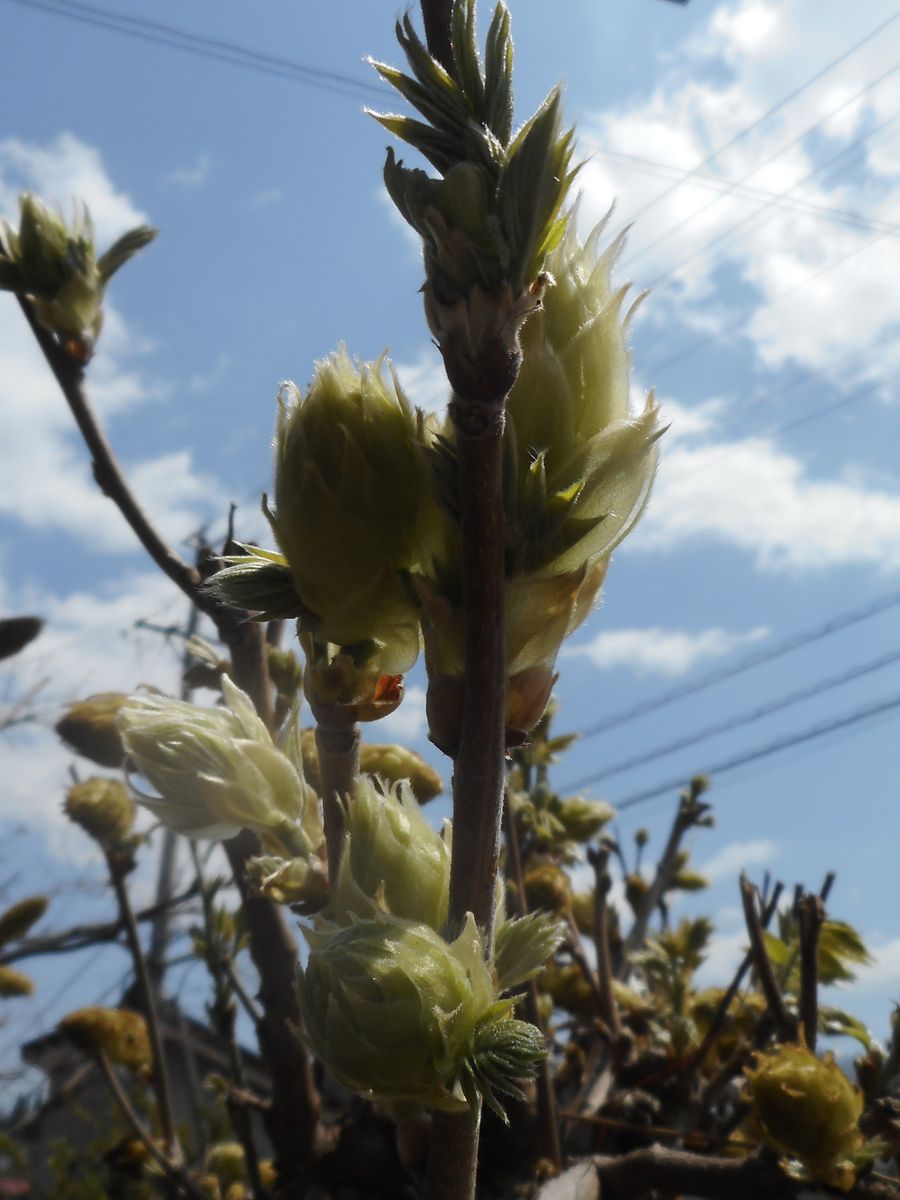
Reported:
(90, 728)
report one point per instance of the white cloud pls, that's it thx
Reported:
(884, 973)
(408, 722)
(660, 651)
(736, 857)
(750, 494)
(194, 175)
(65, 169)
(46, 482)
(265, 198)
(424, 380)
(753, 53)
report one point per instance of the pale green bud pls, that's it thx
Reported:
(19, 918)
(808, 1110)
(395, 1012)
(522, 945)
(53, 264)
(391, 859)
(548, 886)
(582, 819)
(349, 493)
(302, 881)
(580, 463)
(227, 1161)
(118, 1032)
(90, 728)
(103, 809)
(217, 770)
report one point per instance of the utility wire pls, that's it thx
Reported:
(205, 47)
(741, 719)
(827, 212)
(796, 641)
(859, 715)
(770, 112)
(795, 141)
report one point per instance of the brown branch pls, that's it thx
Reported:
(170, 1169)
(609, 1010)
(118, 869)
(718, 1017)
(667, 1173)
(547, 1114)
(810, 915)
(338, 748)
(77, 937)
(478, 765)
(785, 1025)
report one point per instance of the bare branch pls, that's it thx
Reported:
(785, 1025)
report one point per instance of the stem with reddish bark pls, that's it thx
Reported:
(478, 765)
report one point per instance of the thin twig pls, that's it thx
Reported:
(810, 915)
(785, 1025)
(338, 749)
(117, 873)
(172, 1171)
(548, 1118)
(599, 860)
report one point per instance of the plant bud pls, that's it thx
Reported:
(807, 1109)
(116, 1032)
(284, 671)
(392, 763)
(90, 728)
(301, 881)
(349, 493)
(583, 819)
(395, 1012)
(103, 808)
(548, 887)
(569, 989)
(522, 946)
(17, 632)
(227, 1162)
(14, 983)
(217, 771)
(19, 918)
(343, 688)
(391, 859)
(584, 907)
(54, 266)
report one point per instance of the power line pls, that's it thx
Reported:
(770, 112)
(737, 722)
(204, 47)
(868, 712)
(778, 200)
(771, 158)
(796, 641)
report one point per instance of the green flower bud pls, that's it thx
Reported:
(19, 918)
(14, 983)
(522, 946)
(487, 224)
(119, 1033)
(54, 266)
(581, 464)
(90, 728)
(103, 808)
(807, 1109)
(395, 1012)
(583, 906)
(17, 632)
(217, 771)
(391, 859)
(548, 886)
(583, 819)
(349, 494)
(569, 989)
(302, 881)
(227, 1162)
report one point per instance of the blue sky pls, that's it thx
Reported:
(770, 336)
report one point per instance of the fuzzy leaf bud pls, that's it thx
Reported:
(103, 808)
(90, 728)
(117, 1032)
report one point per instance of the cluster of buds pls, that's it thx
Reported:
(54, 266)
(118, 1033)
(489, 219)
(579, 466)
(392, 1007)
(217, 771)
